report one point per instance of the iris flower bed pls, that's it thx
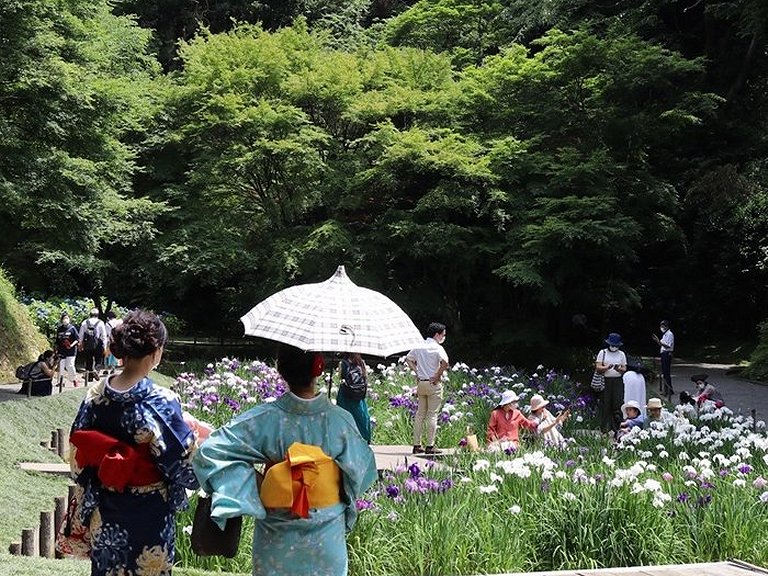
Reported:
(691, 490)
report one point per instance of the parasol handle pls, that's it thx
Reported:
(346, 330)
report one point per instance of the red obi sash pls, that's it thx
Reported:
(119, 464)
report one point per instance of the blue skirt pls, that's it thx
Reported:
(359, 411)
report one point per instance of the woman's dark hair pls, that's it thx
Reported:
(45, 356)
(140, 334)
(356, 359)
(295, 366)
(111, 315)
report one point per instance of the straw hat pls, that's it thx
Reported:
(654, 403)
(537, 401)
(507, 398)
(630, 404)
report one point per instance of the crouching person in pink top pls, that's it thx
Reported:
(505, 422)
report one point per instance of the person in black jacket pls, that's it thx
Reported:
(67, 339)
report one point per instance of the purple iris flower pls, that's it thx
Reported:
(393, 491)
(703, 500)
(363, 504)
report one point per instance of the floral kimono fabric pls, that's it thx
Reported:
(131, 519)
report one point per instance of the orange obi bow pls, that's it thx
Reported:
(307, 478)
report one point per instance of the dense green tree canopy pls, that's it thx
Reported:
(76, 88)
(530, 174)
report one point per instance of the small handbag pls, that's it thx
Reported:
(207, 538)
(598, 380)
(73, 539)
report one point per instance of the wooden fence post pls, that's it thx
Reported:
(29, 542)
(46, 534)
(62, 443)
(59, 512)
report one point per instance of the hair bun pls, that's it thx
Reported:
(140, 334)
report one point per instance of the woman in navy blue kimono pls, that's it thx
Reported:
(131, 458)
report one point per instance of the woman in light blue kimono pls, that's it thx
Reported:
(317, 465)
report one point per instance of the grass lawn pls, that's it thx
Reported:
(23, 424)
(19, 566)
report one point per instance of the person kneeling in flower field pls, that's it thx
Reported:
(656, 413)
(706, 392)
(632, 418)
(504, 424)
(547, 422)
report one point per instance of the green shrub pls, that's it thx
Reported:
(758, 362)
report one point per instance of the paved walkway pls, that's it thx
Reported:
(9, 391)
(740, 395)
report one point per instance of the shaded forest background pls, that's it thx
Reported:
(533, 174)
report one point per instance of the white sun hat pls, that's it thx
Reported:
(630, 404)
(508, 397)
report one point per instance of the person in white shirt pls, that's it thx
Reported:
(547, 423)
(611, 363)
(428, 362)
(666, 347)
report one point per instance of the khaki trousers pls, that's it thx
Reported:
(430, 399)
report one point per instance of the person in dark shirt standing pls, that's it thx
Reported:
(67, 340)
(666, 348)
(93, 337)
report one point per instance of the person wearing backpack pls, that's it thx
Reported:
(38, 375)
(352, 392)
(93, 335)
(67, 340)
